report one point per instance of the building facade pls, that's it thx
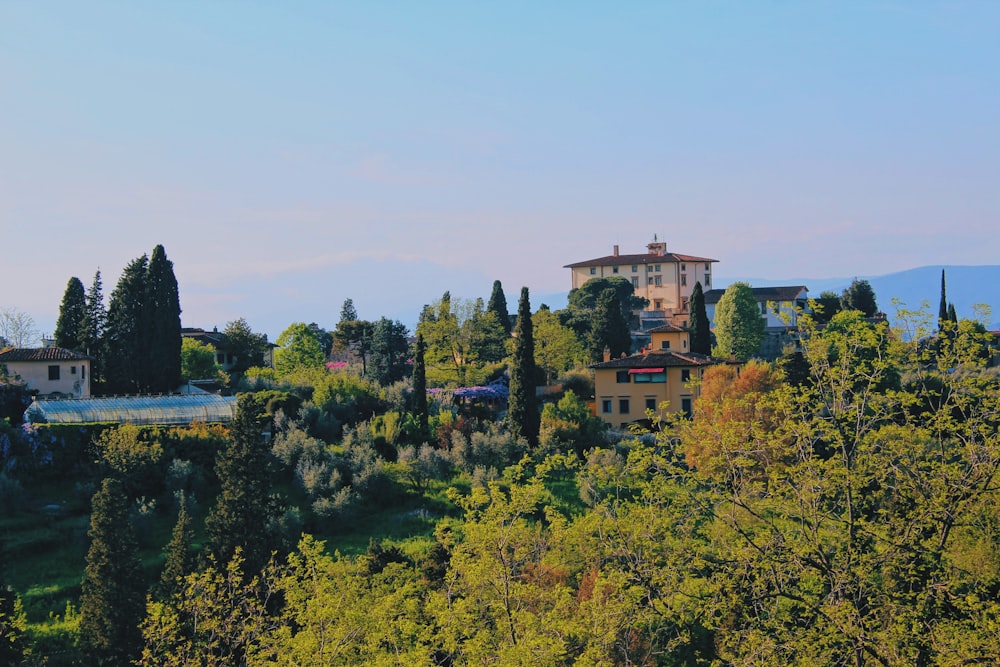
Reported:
(665, 279)
(51, 371)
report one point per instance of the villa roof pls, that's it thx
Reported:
(667, 328)
(41, 354)
(644, 258)
(778, 293)
(660, 359)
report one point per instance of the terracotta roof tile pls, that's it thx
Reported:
(40, 354)
(645, 258)
(660, 359)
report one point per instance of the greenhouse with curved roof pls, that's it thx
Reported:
(167, 410)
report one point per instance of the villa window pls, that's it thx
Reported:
(606, 406)
(657, 281)
(658, 305)
(650, 403)
(614, 269)
(708, 267)
(684, 280)
(83, 372)
(664, 344)
(649, 268)
(593, 270)
(622, 377)
(623, 406)
(72, 370)
(684, 267)
(635, 268)
(635, 281)
(657, 267)
(763, 308)
(708, 280)
(53, 372)
(685, 375)
(686, 407)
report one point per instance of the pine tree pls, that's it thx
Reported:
(242, 514)
(162, 325)
(522, 407)
(420, 385)
(124, 349)
(701, 335)
(609, 328)
(112, 597)
(943, 305)
(69, 331)
(178, 560)
(498, 305)
(860, 296)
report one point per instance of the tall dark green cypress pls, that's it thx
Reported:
(522, 406)
(609, 329)
(92, 330)
(952, 314)
(124, 345)
(162, 324)
(243, 511)
(701, 334)
(420, 386)
(943, 305)
(72, 313)
(112, 597)
(178, 560)
(498, 305)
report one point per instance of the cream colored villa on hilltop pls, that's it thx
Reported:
(666, 279)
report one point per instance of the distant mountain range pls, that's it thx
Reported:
(965, 287)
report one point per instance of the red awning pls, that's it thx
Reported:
(634, 371)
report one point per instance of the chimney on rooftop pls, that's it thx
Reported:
(616, 250)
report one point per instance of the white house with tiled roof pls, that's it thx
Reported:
(779, 306)
(52, 371)
(666, 279)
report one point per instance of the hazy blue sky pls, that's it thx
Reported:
(289, 155)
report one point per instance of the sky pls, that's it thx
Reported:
(291, 155)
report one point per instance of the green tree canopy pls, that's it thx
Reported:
(72, 312)
(387, 362)
(247, 347)
(698, 325)
(557, 349)
(825, 307)
(609, 328)
(860, 296)
(112, 592)
(739, 328)
(582, 302)
(198, 361)
(522, 405)
(298, 348)
(498, 306)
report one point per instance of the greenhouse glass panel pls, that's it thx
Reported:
(172, 410)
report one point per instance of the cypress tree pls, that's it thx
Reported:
(112, 597)
(943, 305)
(178, 560)
(162, 325)
(241, 516)
(124, 348)
(72, 314)
(498, 305)
(609, 328)
(522, 407)
(701, 335)
(952, 314)
(420, 385)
